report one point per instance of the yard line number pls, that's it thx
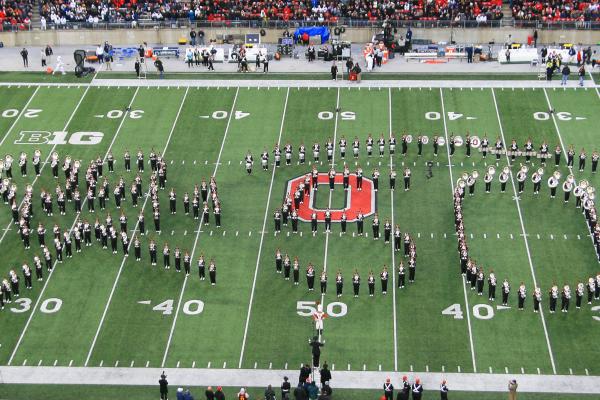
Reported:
(48, 306)
(28, 113)
(561, 116)
(344, 115)
(334, 309)
(480, 311)
(190, 307)
(220, 114)
(114, 114)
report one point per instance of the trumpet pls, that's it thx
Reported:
(475, 174)
(491, 170)
(557, 175)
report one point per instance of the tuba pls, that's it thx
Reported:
(465, 176)
(461, 183)
(29, 189)
(552, 181)
(567, 186)
(504, 175)
(578, 191)
(557, 175)
(540, 171)
(475, 174)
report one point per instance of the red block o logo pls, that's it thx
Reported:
(364, 201)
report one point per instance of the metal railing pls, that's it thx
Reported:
(291, 25)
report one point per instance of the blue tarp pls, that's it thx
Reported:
(313, 31)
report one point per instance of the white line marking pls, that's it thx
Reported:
(364, 367)
(224, 364)
(411, 368)
(522, 370)
(348, 367)
(285, 367)
(25, 362)
(270, 365)
(25, 107)
(452, 194)
(459, 368)
(443, 368)
(41, 294)
(525, 233)
(177, 364)
(393, 269)
(117, 364)
(506, 370)
(490, 370)
(101, 363)
(427, 368)
(255, 365)
(570, 371)
(262, 237)
(231, 112)
(112, 291)
(39, 363)
(147, 363)
(538, 371)
(55, 362)
(586, 370)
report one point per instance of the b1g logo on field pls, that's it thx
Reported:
(60, 137)
(355, 201)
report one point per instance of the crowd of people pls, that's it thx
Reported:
(15, 12)
(548, 11)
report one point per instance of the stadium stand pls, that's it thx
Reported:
(227, 10)
(561, 10)
(14, 13)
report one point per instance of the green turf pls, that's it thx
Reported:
(205, 141)
(74, 392)
(42, 77)
(338, 198)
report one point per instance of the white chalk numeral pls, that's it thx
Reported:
(454, 310)
(308, 308)
(325, 115)
(32, 113)
(166, 307)
(564, 116)
(24, 303)
(348, 115)
(136, 114)
(28, 113)
(241, 114)
(51, 305)
(452, 116)
(487, 314)
(193, 307)
(541, 116)
(10, 113)
(219, 114)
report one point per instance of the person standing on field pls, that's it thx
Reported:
(164, 387)
(512, 389)
(25, 56)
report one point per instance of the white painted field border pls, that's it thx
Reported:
(262, 236)
(185, 279)
(16, 121)
(468, 308)
(49, 153)
(529, 259)
(112, 291)
(35, 307)
(335, 127)
(393, 269)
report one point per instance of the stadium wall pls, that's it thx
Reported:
(169, 36)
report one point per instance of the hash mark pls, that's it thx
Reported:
(348, 367)
(444, 235)
(131, 365)
(443, 369)
(578, 237)
(364, 367)
(497, 236)
(117, 364)
(285, 367)
(506, 370)
(551, 236)
(70, 363)
(522, 370)
(411, 368)
(380, 367)
(249, 233)
(490, 370)
(459, 368)
(565, 236)
(25, 362)
(238, 232)
(418, 234)
(485, 236)
(570, 371)
(538, 371)
(177, 366)
(427, 368)
(471, 236)
(538, 236)
(511, 236)
(39, 363)
(432, 235)
(101, 363)
(587, 372)
(255, 365)
(270, 365)
(333, 367)
(147, 363)
(224, 233)
(55, 362)
(224, 364)
(211, 232)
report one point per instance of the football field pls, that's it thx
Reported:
(105, 309)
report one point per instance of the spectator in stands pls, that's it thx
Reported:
(535, 38)
(25, 56)
(507, 55)
(42, 23)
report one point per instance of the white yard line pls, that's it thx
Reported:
(12, 126)
(112, 291)
(393, 269)
(35, 307)
(47, 158)
(126, 376)
(335, 127)
(517, 200)
(468, 308)
(231, 113)
(262, 236)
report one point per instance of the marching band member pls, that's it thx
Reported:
(435, 143)
(343, 143)
(371, 283)
(582, 157)
(406, 176)
(397, 238)
(375, 227)
(521, 177)
(288, 154)
(277, 155)
(356, 283)
(329, 148)
(579, 294)
(488, 178)
(212, 272)
(302, 154)
(514, 148)
(591, 288)
(392, 179)
(471, 179)
(355, 147)
(553, 298)
(401, 275)
(485, 143)
(565, 299)
(405, 140)
(381, 143)
(468, 145)
(567, 187)
(503, 178)
(553, 183)
(323, 282)
(375, 178)
(392, 144)
(595, 158)
(249, 160)
(339, 283)
(384, 280)
(543, 153)
(480, 281)
(359, 178)
(537, 299)
(557, 154)
(492, 286)
(498, 147)
(296, 271)
(23, 164)
(570, 156)
(536, 178)
(528, 150)
(343, 222)
(310, 277)
(316, 149)
(522, 296)
(264, 160)
(505, 292)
